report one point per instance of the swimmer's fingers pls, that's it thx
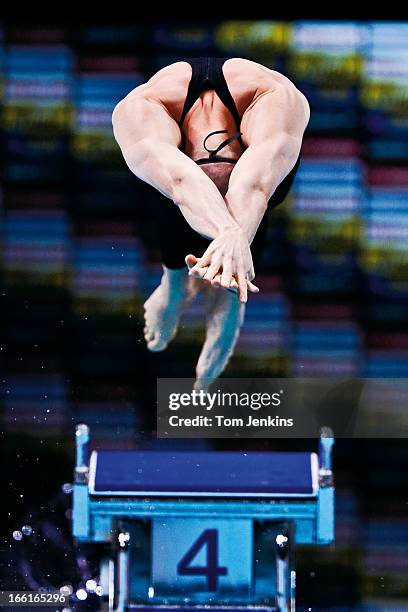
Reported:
(216, 282)
(192, 264)
(213, 268)
(226, 276)
(251, 287)
(197, 272)
(190, 260)
(242, 284)
(200, 267)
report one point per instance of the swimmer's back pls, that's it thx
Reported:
(246, 80)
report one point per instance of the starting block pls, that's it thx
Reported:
(199, 531)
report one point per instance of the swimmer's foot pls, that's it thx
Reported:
(165, 306)
(225, 315)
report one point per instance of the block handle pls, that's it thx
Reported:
(82, 453)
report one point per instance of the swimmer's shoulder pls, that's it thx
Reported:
(257, 80)
(254, 74)
(167, 87)
(179, 72)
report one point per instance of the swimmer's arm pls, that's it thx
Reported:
(148, 138)
(178, 178)
(274, 131)
(259, 171)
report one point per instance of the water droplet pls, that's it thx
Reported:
(91, 585)
(281, 540)
(81, 594)
(82, 562)
(66, 589)
(67, 488)
(27, 530)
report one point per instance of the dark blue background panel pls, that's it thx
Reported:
(215, 473)
(203, 609)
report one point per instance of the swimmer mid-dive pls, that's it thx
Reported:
(221, 139)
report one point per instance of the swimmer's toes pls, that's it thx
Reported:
(157, 343)
(149, 302)
(149, 335)
(161, 340)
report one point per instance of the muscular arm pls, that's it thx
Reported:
(273, 129)
(149, 139)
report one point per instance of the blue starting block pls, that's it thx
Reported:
(201, 530)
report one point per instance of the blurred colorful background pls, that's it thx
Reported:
(79, 257)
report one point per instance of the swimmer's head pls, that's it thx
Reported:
(219, 173)
(217, 167)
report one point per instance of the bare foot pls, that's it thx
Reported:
(225, 315)
(165, 306)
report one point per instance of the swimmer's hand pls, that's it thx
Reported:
(191, 260)
(227, 262)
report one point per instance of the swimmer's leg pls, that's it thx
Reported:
(225, 315)
(165, 306)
